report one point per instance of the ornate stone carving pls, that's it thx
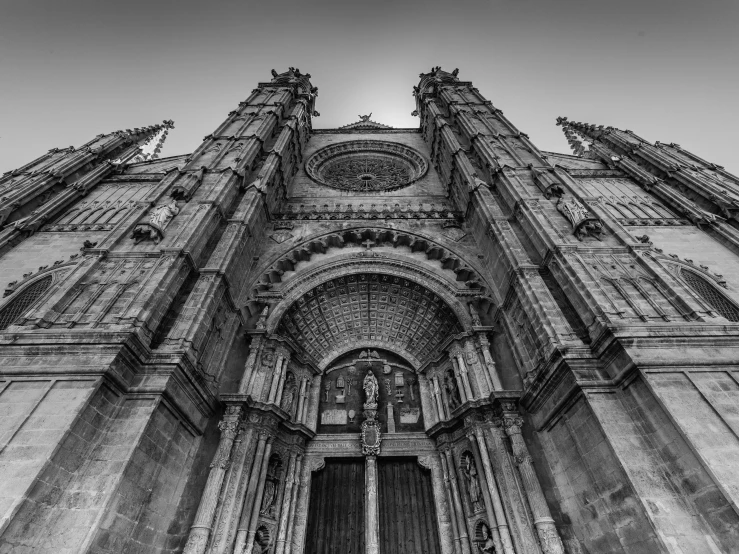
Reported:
(583, 222)
(473, 484)
(159, 219)
(366, 165)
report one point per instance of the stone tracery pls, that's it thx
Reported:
(366, 165)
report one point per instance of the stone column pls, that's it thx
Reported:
(482, 377)
(464, 376)
(251, 488)
(200, 530)
(503, 530)
(547, 531)
(275, 379)
(372, 508)
(258, 499)
(283, 376)
(287, 546)
(304, 416)
(464, 539)
(450, 502)
(486, 493)
(492, 369)
(297, 545)
(443, 518)
(286, 504)
(438, 406)
(428, 402)
(458, 375)
(233, 490)
(446, 406)
(301, 400)
(250, 365)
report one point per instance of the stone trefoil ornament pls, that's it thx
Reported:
(159, 218)
(583, 222)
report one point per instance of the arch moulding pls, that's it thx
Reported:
(448, 292)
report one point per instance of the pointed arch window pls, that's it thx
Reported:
(19, 305)
(710, 295)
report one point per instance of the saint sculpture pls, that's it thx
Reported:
(370, 390)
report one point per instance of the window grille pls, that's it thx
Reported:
(20, 304)
(711, 296)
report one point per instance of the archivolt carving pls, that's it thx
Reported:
(376, 237)
(369, 306)
(393, 268)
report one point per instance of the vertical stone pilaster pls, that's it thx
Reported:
(523, 535)
(482, 376)
(464, 376)
(450, 503)
(492, 519)
(303, 505)
(458, 376)
(431, 462)
(372, 508)
(284, 547)
(301, 400)
(464, 540)
(276, 371)
(250, 366)
(250, 495)
(490, 364)
(286, 505)
(548, 537)
(258, 499)
(493, 489)
(233, 490)
(200, 530)
(283, 377)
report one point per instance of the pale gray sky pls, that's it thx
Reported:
(666, 69)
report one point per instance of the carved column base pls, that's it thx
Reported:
(549, 537)
(197, 541)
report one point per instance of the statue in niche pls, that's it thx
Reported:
(370, 390)
(450, 382)
(159, 218)
(486, 545)
(473, 484)
(288, 396)
(270, 488)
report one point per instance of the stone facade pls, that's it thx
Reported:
(185, 341)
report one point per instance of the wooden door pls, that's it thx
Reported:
(407, 509)
(336, 509)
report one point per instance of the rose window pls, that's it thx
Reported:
(366, 166)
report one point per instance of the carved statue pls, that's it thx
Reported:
(583, 222)
(473, 483)
(159, 218)
(475, 316)
(370, 390)
(268, 500)
(452, 392)
(486, 545)
(365, 118)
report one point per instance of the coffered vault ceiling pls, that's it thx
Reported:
(369, 307)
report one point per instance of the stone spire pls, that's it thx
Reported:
(35, 192)
(706, 191)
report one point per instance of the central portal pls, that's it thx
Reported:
(407, 513)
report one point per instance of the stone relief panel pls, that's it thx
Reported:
(108, 204)
(342, 396)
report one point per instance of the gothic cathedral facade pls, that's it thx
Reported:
(438, 340)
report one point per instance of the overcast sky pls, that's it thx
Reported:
(70, 69)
